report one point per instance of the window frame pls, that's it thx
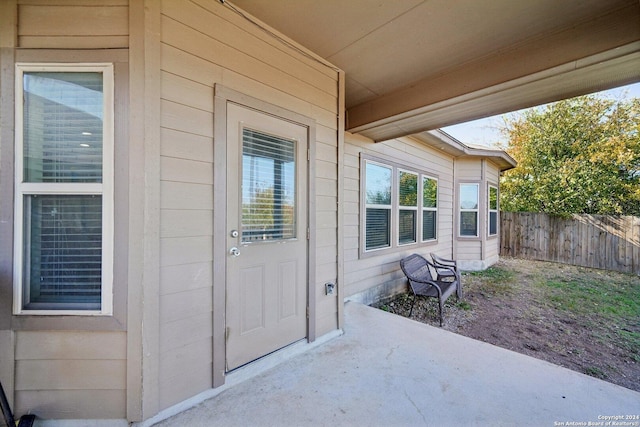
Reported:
(490, 211)
(105, 189)
(395, 207)
(476, 210)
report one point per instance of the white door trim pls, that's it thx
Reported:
(223, 95)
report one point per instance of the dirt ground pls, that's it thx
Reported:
(515, 313)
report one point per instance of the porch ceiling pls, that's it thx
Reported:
(415, 65)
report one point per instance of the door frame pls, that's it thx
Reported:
(222, 96)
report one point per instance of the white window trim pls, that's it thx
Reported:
(415, 208)
(394, 207)
(105, 189)
(423, 208)
(489, 211)
(476, 210)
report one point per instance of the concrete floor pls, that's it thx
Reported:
(386, 370)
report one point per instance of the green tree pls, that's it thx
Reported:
(580, 155)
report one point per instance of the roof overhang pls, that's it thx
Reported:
(415, 65)
(602, 71)
(442, 141)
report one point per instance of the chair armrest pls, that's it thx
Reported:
(446, 267)
(439, 261)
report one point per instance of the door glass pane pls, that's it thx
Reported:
(268, 187)
(63, 235)
(63, 121)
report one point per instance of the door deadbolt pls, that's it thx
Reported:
(234, 233)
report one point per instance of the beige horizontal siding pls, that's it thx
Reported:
(468, 169)
(191, 380)
(72, 404)
(73, 25)
(83, 373)
(48, 345)
(182, 36)
(383, 269)
(180, 195)
(469, 249)
(256, 47)
(186, 119)
(173, 335)
(185, 277)
(185, 223)
(185, 250)
(70, 374)
(183, 145)
(204, 43)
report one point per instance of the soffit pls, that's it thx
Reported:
(388, 48)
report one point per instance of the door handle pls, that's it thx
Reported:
(234, 251)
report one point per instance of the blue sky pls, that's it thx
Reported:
(487, 131)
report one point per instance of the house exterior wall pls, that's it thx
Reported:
(81, 368)
(476, 253)
(59, 367)
(369, 277)
(204, 44)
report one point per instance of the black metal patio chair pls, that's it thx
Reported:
(422, 283)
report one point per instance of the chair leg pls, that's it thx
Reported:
(412, 303)
(440, 306)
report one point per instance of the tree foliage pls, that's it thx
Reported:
(580, 155)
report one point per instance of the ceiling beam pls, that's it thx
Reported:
(588, 57)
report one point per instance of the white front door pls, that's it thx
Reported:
(266, 234)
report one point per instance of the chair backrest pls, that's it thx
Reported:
(416, 267)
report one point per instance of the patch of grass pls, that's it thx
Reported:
(631, 341)
(607, 297)
(495, 281)
(464, 305)
(495, 274)
(595, 372)
(598, 298)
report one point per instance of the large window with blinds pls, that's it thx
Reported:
(400, 206)
(64, 189)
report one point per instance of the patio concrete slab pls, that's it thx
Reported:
(386, 370)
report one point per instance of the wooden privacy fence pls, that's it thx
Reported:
(597, 241)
